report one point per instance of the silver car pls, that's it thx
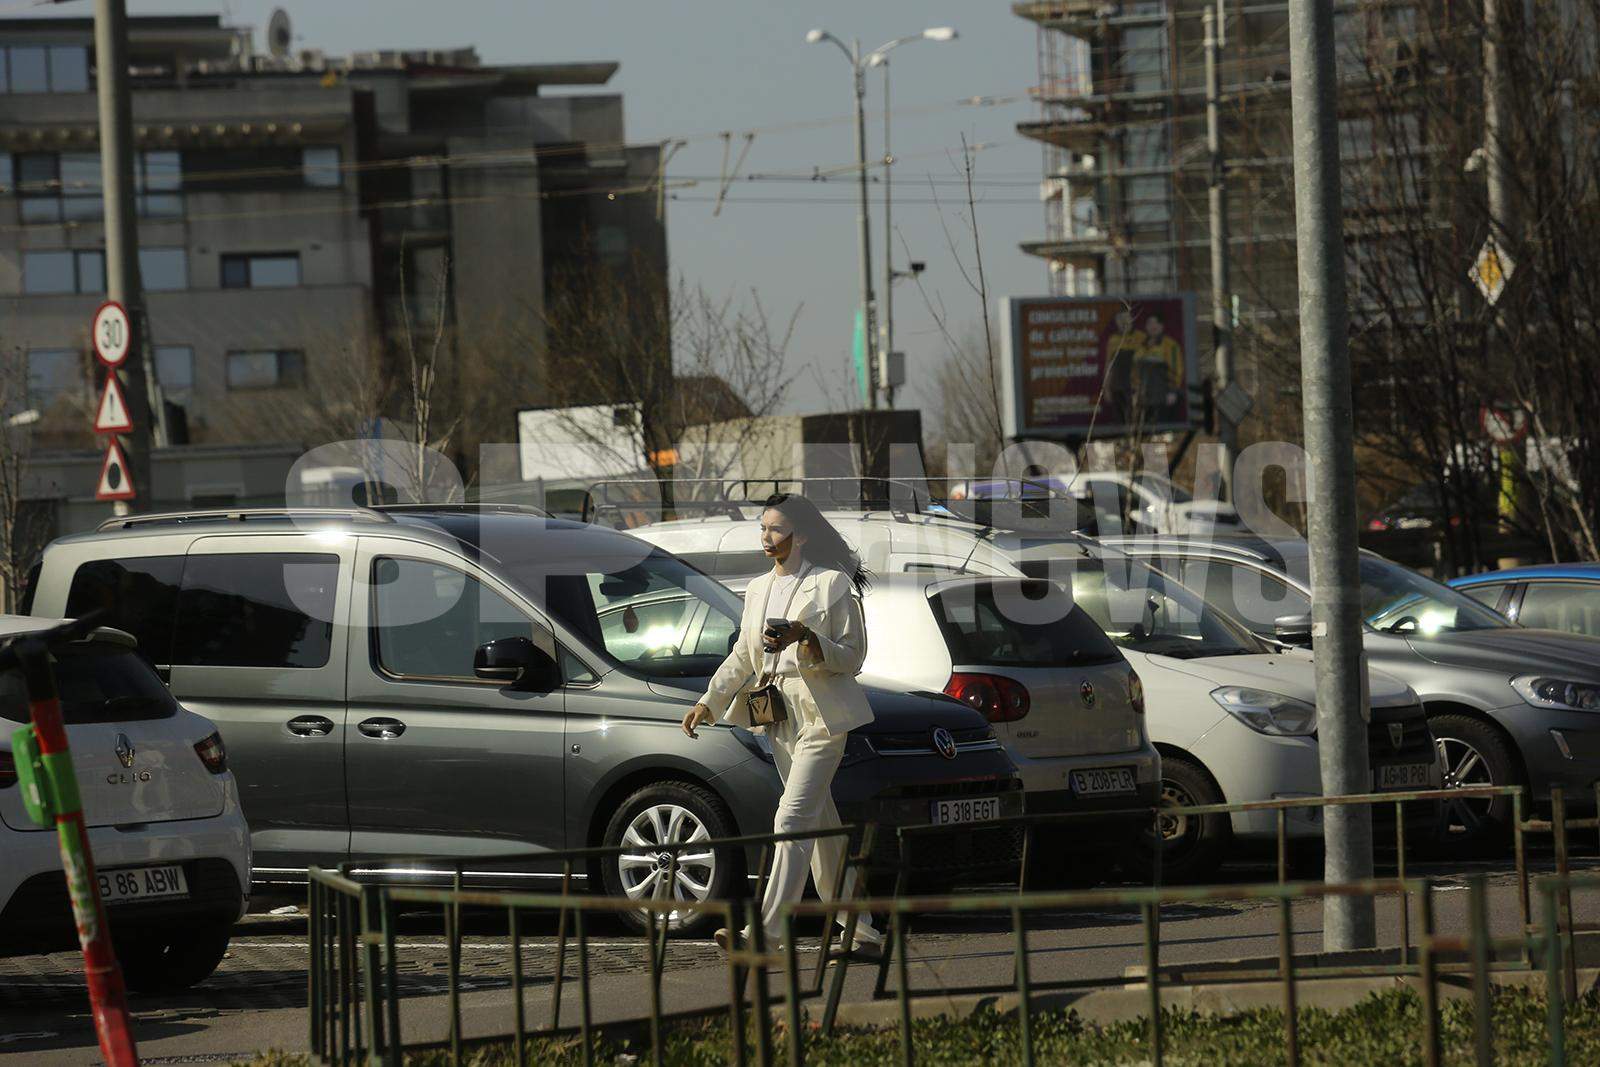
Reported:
(413, 688)
(1507, 705)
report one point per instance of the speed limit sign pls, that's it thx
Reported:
(113, 333)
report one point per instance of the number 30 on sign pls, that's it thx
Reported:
(113, 333)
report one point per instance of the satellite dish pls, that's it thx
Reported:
(279, 35)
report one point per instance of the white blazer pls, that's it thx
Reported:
(825, 601)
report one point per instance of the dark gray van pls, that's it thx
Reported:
(412, 687)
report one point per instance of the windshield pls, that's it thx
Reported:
(1142, 609)
(657, 617)
(98, 682)
(1395, 599)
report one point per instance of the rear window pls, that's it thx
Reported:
(1019, 624)
(138, 595)
(98, 683)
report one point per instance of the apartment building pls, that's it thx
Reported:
(301, 216)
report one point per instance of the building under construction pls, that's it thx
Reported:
(1123, 99)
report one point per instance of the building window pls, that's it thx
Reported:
(62, 68)
(66, 186)
(53, 373)
(163, 269)
(175, 371)
(158, 184)
(266, 370)
(29, 70)
(69, 69)
(320, 167)
(64, 271)
(275, 271)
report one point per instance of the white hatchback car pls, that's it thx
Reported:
(169, 841)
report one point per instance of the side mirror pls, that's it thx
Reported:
(515, 661)
(1292, 630)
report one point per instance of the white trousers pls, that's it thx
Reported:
(807, 756)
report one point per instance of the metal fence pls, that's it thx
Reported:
(355, 996)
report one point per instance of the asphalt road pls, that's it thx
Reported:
(257, 998)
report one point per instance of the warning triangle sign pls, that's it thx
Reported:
(115, 483)
(112, 415)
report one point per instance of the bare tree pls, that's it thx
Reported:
(20, 538)
(696, 373)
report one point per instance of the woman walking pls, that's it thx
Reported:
(792, 673)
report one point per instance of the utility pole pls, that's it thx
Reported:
(123, 283)
(1348, 922)
(885, 352)
(1221, 298)
(869, 326)
(1495, 109)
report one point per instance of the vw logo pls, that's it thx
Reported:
(1086, 693)
(1397, 734)
(944, 742)
(125, 750)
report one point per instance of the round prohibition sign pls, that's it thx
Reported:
(113, 333)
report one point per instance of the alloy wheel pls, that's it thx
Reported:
(646, 869)
(1463, 766)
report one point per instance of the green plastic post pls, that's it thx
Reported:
(35, 780)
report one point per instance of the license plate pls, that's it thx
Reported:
(1103, 780)
(973, 809)
(1404, 775)
(143, 883)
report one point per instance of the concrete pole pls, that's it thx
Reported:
(1221, 297)
(123, 283)
(888, 249)
(869, 326)
(1348, 922)
(1495, 110)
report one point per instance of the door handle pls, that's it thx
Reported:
(310, 726)
(382, 728)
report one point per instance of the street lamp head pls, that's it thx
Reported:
(940, 33)
(816, 35)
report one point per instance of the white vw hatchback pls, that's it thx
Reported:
(170, 844)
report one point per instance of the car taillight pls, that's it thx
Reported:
(8, 770)
(212, 753)
(1136, 692)
(1000, 699)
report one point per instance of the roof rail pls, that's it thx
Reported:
(898, 496)
(468, 506)
(173, 518)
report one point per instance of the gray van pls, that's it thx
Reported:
(403, 686)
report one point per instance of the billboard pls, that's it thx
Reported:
(1110, 365)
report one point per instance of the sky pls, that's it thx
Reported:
(694, 68)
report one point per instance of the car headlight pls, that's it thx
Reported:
(1267, 713)
(1544, 692)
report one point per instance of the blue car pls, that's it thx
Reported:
(1552, 596)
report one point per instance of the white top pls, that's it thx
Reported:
(779, 594)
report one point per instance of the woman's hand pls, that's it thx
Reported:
(776, 639)
(695, 717)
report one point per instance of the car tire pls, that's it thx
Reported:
(677, 811)
(1473, 753)
(1194, 846)
(171, 960)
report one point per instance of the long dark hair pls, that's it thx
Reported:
(824, 545)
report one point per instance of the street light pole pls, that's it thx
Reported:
(1348, 921)
(868, 325)
(1221, 317)
(877, 357)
